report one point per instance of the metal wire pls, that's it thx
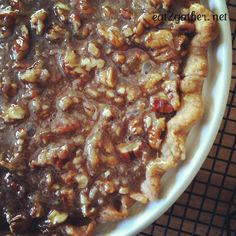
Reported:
(208, 206)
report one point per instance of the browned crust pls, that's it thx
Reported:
(194, 74)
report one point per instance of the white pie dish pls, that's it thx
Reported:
(200, 140)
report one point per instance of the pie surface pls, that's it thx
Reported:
(96, 101)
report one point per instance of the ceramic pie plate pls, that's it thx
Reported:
(200, 140)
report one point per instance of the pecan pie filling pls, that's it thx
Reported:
(96, 101)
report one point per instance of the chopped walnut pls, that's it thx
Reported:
(107, 12)
(180, 41)
(119, 57)
(112, 34)
(85, 7)
(148, 19)
(121, 89)
(21, 44)
(52, 155)
(56, 33)
(132, 93)
(39, 107)
(89, 63)
(62, 11)
(92, 92)
(106, 113)
(70, 63)
(21, 136)
(144, 5)
(135, 126)
(139, 30)
(69, 177)
(94, 50)
(161, 104)
(14, 112)
(110, 213)
(7, 21)
(75, 21)
(163, 54)
(65, 123)
(165, 3)
(82, 181)
(37, 209)
(32, 74)
(117, 129)
(35, 73)
(19, 222)
(125, 13)
(95, 139)
(16, 4)
(149, 82)
(108, 77)
(67, 194)
(55, 217)
(37, 21)
(171, 90)
(67, 101)
(127, 31)
(126, 149)
(71, 230)
(158, 39)
(154, 128)
(90, 109)
(124, 190)
(8, 87)
(108, 187)
(87, 29)
(139, 198)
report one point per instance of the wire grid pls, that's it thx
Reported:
(208, 206)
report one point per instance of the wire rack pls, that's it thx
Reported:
(208, 206)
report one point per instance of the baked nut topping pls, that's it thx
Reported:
(96, 101)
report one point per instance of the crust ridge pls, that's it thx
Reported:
(194, 73)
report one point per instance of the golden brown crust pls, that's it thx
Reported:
(194, 73)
